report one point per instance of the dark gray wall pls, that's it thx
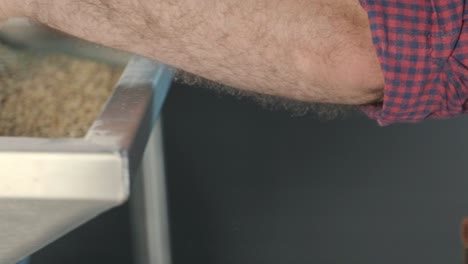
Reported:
(254, 186)
(248, 185)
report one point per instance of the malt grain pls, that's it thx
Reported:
(51, 95)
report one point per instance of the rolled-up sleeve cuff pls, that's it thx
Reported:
(423, 51)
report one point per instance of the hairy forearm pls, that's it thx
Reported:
(302, 49)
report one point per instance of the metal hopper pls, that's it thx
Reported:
(50, 186)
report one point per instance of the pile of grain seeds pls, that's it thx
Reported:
(51, 95)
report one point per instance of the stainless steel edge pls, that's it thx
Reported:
(133, 109)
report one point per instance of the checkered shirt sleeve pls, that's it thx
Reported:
(422, 46)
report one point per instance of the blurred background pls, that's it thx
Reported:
(248, 185)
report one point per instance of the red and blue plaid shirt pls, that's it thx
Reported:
(423, 50)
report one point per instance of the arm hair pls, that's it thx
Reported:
(307, 50)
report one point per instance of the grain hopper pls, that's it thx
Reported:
(69, 156)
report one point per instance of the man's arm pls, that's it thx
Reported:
(309, 50)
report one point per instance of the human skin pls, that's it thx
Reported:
(306, 50)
